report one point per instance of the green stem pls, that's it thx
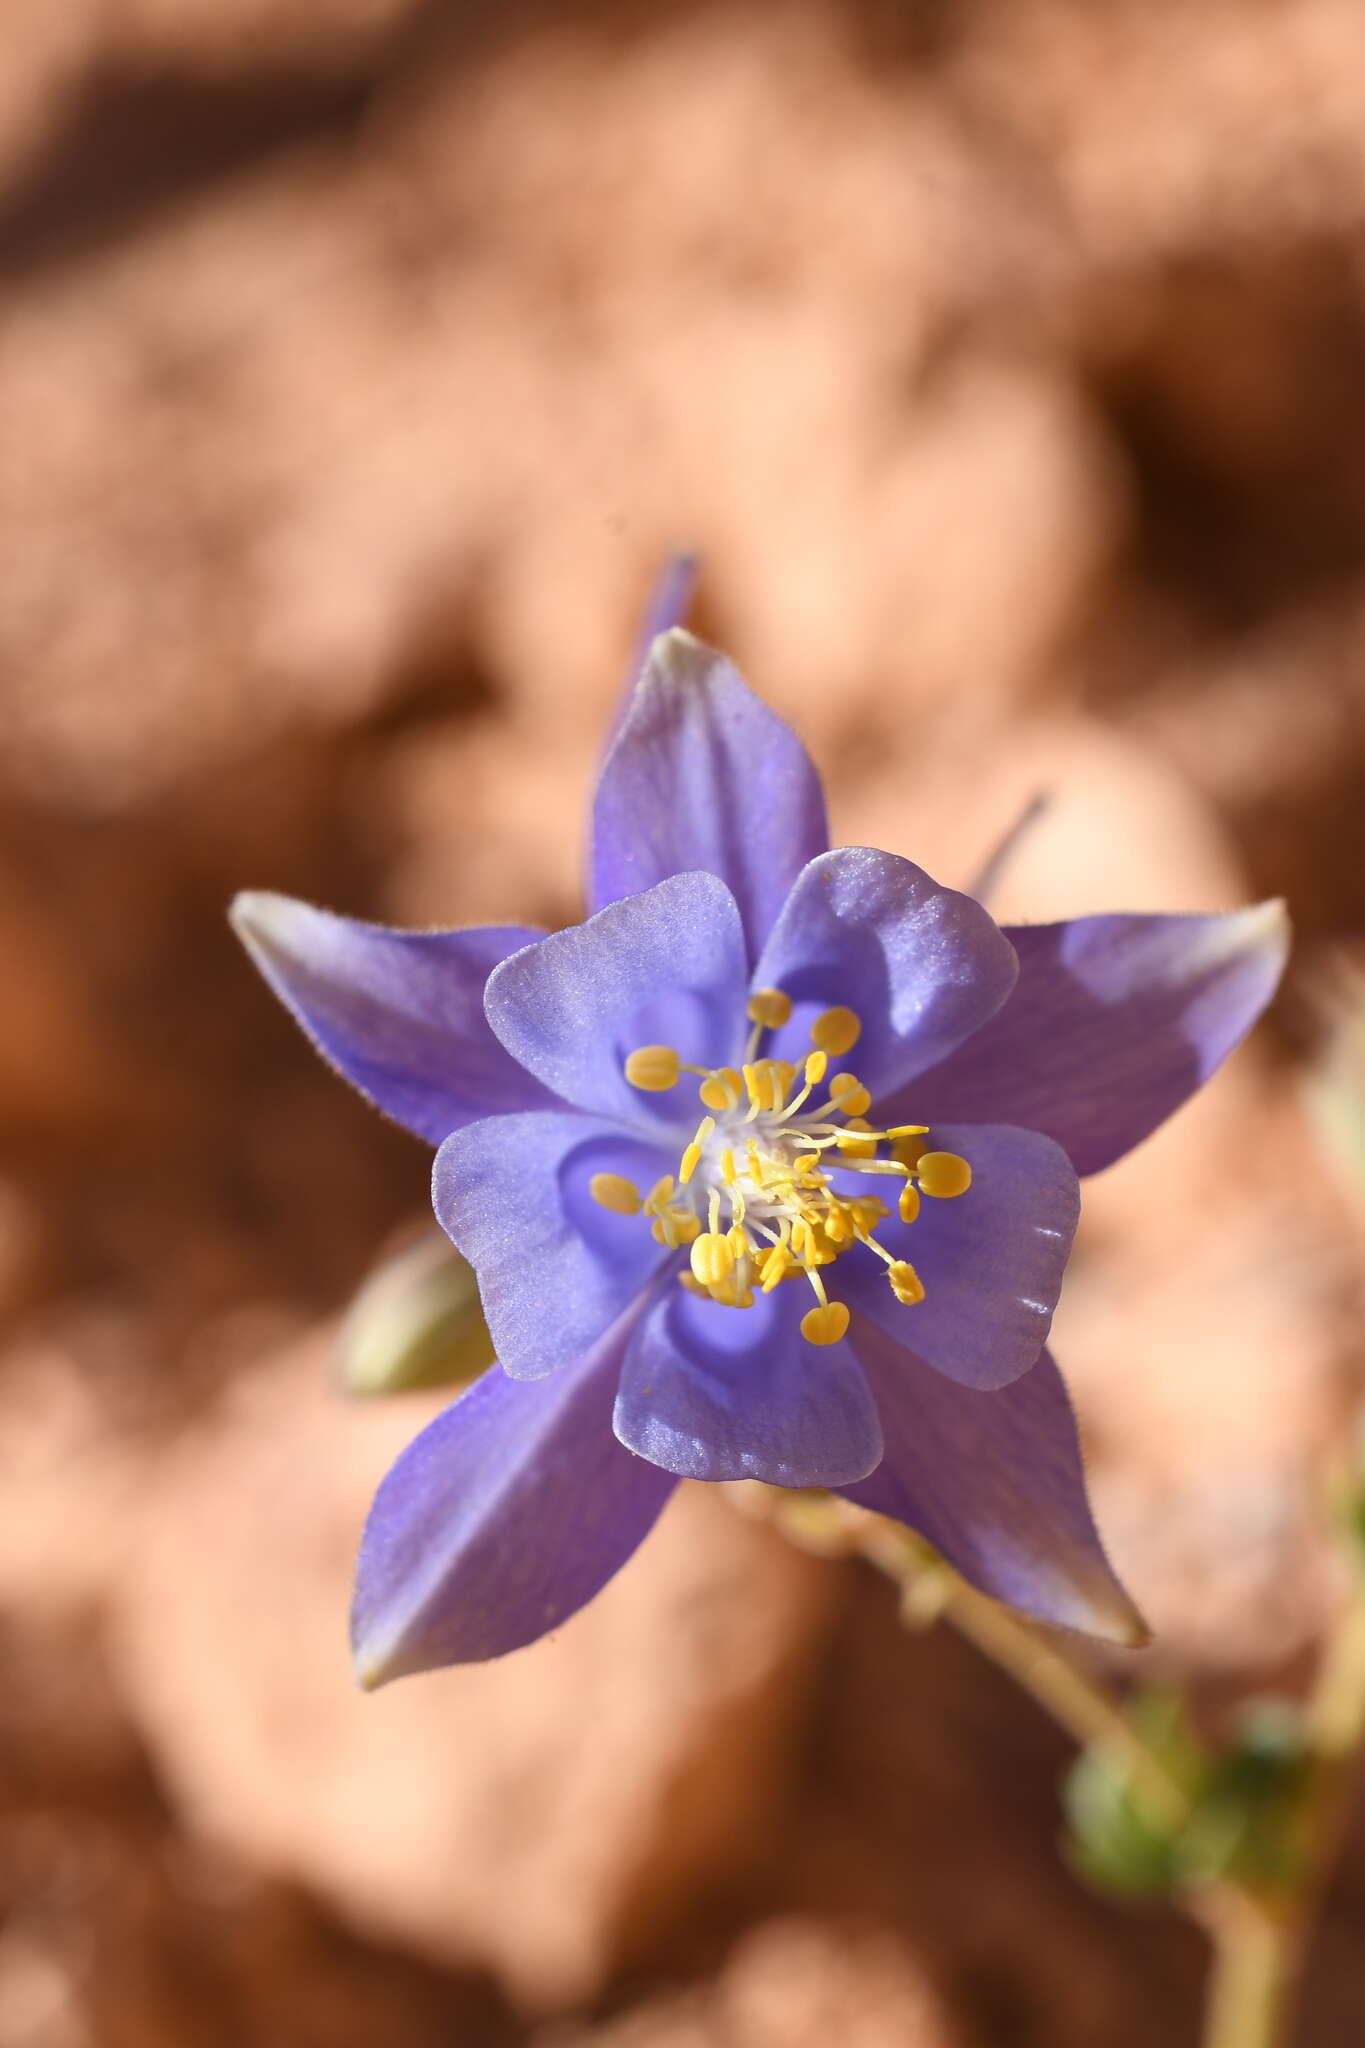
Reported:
(1080, 1703)
(930, 1590)
(1258, 1942)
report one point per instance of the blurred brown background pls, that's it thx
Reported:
(359, 360)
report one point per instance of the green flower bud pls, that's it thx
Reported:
(416, 1322)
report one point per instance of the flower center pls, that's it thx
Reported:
(752, 1198)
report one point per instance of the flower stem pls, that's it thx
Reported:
(1079, 1702)
(1259, 1947)
(931, 1589)
(1259, 1939)
(1256, 1957)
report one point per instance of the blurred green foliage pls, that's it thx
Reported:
(1244, 1821)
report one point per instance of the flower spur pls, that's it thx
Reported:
(768, 1170)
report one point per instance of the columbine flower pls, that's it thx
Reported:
(767, 1171)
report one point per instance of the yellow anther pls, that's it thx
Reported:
(733, 1291)
(775, 1266)
(836, 1031)
(943, 1174)
(767, 1167)
(849, 1096)
(722, 1089)
(761, 1083)
(687, 1165)
(769, 1007)
(867, 1212)
(712, 1257)
(675, 1227)
(825, 1324)
(613, 1191)
(854, 1143)
(906, 1284)
(653, 1068)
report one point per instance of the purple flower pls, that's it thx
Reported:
(767, 1171)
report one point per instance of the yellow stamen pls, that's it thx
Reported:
(712, 1257)
(733, 1291)
(766, 1081)
(826, 1323)
(943, 1174)
(906, 1284)
(675, 1227)
(687, 1165)
(774, 1267)
(837, 1226)
(770, 1007)
(854, 1143)
(653, 1068)
(613, 1191)
(721, 1089)
(769, 1207)
(836, 1031)
(848, 1096)
(866, 1212)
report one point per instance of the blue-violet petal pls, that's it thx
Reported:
(665, 968)
(399, 1014)
(1114, 1023)
(703, 775)
(503, 1518)
(991, 1260)
(554, 1268)
(922, 966)
(995, 1482)
(722, 1393)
